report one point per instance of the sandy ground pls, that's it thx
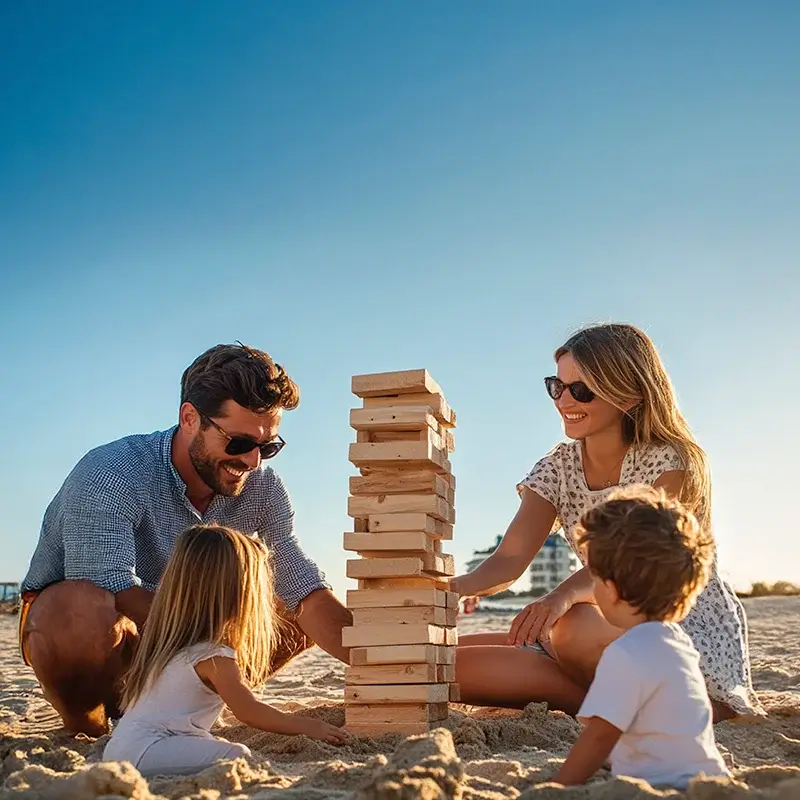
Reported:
(482, 753)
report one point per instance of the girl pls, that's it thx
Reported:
(619, 409)
(208, 640)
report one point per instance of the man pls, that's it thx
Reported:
(108, 533)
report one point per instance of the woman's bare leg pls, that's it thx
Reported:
(472, 639)
(578, 640)
(512, 677)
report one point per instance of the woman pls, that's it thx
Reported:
(619, 409)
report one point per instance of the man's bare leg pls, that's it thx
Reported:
(79, 646)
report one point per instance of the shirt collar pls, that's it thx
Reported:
(166, 457)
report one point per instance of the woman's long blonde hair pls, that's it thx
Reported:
(621, 365)
(217, 588)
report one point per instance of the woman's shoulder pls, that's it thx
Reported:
(547, 474)
(656, 458)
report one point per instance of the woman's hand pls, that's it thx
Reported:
(537, 619)
(317, 729)
(469, 603)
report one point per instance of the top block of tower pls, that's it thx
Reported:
(380, 384)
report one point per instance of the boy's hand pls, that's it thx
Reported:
(589, 753)
(317, 729)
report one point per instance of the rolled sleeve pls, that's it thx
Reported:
(296, 575)
(97, 524)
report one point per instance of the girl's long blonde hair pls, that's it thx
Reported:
(217, 588)
(621, 365)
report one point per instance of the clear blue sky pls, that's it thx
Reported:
(360, 187)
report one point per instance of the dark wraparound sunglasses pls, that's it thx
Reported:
(579, 390)
(239, 445)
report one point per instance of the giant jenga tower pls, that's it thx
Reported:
(403, 636)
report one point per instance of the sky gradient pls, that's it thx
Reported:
(364, 187)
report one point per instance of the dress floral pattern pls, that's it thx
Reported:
(717, 624)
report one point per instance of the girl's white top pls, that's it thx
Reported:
(177, 704)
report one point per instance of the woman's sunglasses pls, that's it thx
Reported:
(579, 390)
(239, 445)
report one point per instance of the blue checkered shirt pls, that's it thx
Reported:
(115, 520)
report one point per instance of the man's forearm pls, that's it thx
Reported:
(321, 617)
(135, 604)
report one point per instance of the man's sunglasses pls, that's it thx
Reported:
(239, 445)
(579, 390)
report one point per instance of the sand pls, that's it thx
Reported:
(480, 753)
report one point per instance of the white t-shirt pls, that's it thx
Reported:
(649, 685)
(178, 703)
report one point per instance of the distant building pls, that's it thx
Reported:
(554, 563)
(9, 591)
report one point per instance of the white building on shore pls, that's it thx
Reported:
(554, 563)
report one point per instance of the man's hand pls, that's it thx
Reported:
(321, 617)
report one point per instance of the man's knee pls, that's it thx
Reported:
(77, 642)
(75, 617)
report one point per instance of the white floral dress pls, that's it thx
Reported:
(717, 624)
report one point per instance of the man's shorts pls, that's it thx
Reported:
(26, 601)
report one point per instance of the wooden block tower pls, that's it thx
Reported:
(402, 658)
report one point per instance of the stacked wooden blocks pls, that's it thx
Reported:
(402, 657)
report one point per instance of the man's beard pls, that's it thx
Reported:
(209, 470)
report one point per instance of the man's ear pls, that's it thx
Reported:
(189, 418)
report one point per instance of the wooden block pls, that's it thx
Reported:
(446, 654)
(402, 654)
(397, 693)
(382, 674)
(395, 673)
(374, 505)
(396, 598)
(388, 635)
(392, 481)
(448, 441)
(455, 693)
(380, 384)
(375, 584)
(398, 418)
(411, 521)
(361, 525)
(409, 615)
(451, 599)
(397, 654)
(411, 566)
(411, 542)
(403, 436)
(382, 635)
(434, 401)
(376, 730)
(387, 454)
(399, 713)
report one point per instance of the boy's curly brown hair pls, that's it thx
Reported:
(651, 548)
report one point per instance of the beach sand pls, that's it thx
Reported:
(482, 753)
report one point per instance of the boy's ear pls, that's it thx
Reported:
(613, 593)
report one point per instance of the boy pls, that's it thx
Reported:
(647, 707)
